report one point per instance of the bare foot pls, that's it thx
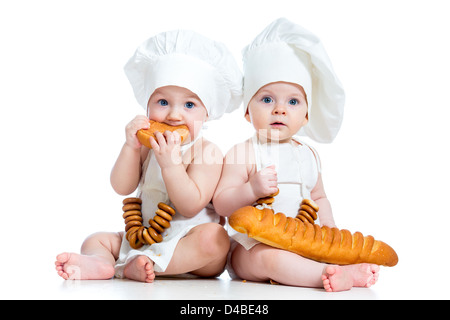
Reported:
(74, 266)
(340, 278)
(140, 269)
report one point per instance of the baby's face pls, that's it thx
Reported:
(176, 106)
(278, 111)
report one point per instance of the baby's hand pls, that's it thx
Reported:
(264, 182)
(167, 148)
(139, 122)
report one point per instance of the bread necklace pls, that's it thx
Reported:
(139, 235)
(307, 212)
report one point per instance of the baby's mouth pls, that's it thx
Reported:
(277, 124)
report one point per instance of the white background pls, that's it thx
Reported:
(65, 101)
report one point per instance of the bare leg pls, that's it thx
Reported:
(262, 263)
(96, 261)
(202, 252)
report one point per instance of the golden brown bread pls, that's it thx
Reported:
(144, 135)
(324, 244)
(138, 235)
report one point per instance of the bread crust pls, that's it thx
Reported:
(323, 244)
(144, 135)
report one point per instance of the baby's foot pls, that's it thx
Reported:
(140, 269)
(340, 278)
(74, 266)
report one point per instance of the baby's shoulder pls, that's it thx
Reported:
(207, 151)
(241, 153)
(209, 145)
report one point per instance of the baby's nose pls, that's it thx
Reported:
(279, 109)
(174, 115)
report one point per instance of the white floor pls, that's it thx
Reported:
(170, 289)
(394, 283)
(29, 245)
(202, 289)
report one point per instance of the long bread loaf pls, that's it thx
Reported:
(324, 244)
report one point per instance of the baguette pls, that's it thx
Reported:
(323, 244)
(144, 135)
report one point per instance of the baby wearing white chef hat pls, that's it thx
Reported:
(290, 89)
(180, 78)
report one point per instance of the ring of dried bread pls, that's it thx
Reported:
(155, 226)
(155, 235)
(131, 200)
(267, 200)
(134, 218)
(311, 203)
(163, 214)
(166, 208)
(134, 241)
(305, 216)
(309, 210)
(162, 222)
(132, 223)
(131, 213)
(304, 219)
(131, 231)
(148, 239)
(144, 135)
(131, 206)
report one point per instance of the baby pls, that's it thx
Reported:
(289, 88)
(179, 77)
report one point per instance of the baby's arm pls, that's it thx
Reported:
(238, 187)
(126, 172)
(191, 189)
(325, 213)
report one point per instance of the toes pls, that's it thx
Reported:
(150, 278)
(63, 275)
(148, 266)
(330, 270)
(150, 273)
(62, 258)
(326, 284)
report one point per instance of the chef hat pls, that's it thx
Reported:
(189, 60)
(287, 52)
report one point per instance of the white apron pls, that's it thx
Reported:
(298, 168)
(152, 190)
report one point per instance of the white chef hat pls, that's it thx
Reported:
(284, 51)
(186, 59)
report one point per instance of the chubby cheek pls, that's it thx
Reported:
(257, 119)
(194, 129)
(155, 114)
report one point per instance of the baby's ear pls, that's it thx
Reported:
(305, 122)
(247, 116)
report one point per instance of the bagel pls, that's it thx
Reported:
(144, 135)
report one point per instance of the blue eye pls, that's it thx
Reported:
(163, 102)
(189, 105)
(293, 102)
(267, 100)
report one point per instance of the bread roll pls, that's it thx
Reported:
(324, 244)
(144, 135)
